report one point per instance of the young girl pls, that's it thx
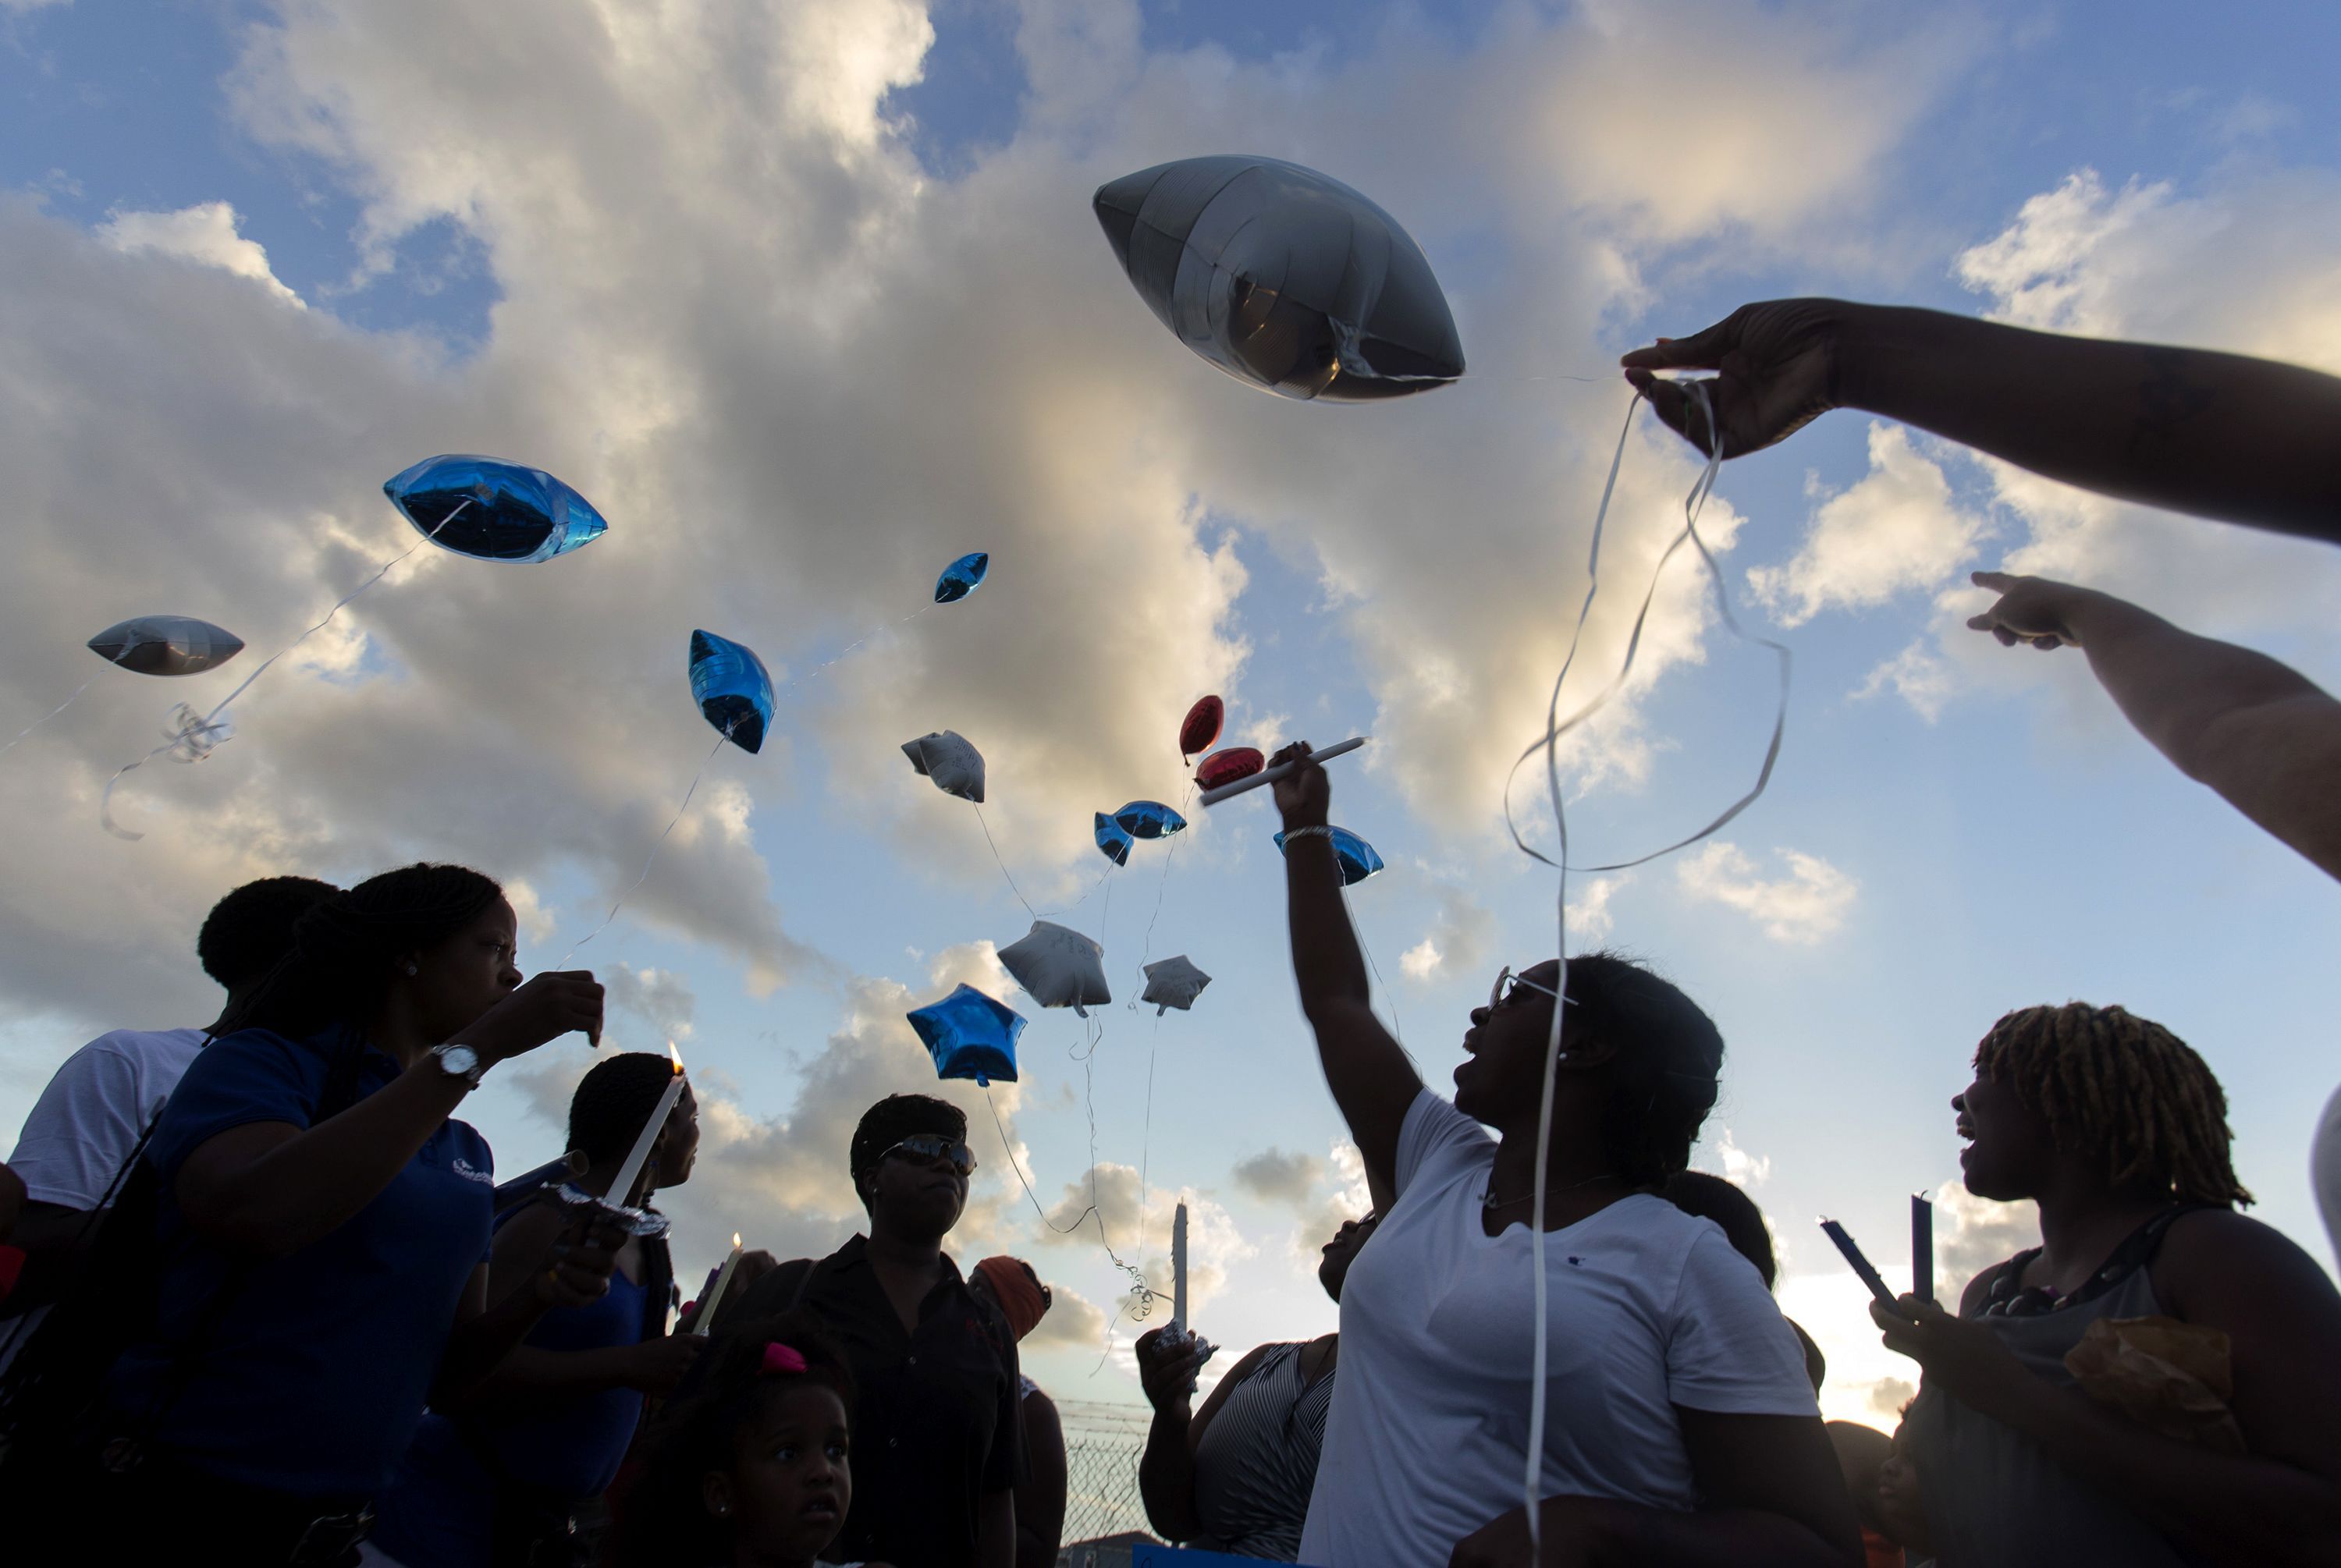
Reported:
(751, 1472)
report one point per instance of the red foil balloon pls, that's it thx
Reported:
(1227, 766)
(1201, 725)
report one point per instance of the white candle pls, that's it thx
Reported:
(707, 1308)
(624, 1187)
(1179, 1268)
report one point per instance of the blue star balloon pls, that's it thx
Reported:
(1356, 858)
(961, 578)
(1113, 840)
(494, 511)
(1148, 820)
(970, 1036)
(734, 692)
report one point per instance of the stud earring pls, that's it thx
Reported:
(411, 969)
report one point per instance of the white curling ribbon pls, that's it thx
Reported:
(193, 737)
(1550, 743)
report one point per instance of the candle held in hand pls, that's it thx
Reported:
(1179, 1268)
(1861, 1266)
(622, 1190)
(1922, 1247)
(706, 1318)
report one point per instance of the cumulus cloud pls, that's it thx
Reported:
(205, 234)
(1460, 939)
(1073, 1322)
(1897, 528)
(1739, 1166)
(1802, 907)
(1109, 1206)
(2242, 264)
(1273, 1175)
(1972, 1232)
(660, 998)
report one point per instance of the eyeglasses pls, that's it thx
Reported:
(933, 1148)
(1507, 983)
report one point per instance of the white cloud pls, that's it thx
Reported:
(1972, 1232)
(1139, 1233)
(1916, 676)
(205, 234)
(1590, 918)
(1460, 939)
(1896, 529)
(1805, 906)
(1739, 1167)
(659, 998)
(1072, 1322)
(1273, 1175)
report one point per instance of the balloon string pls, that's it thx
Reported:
(1001, 863)
(656, 845)
(1161, 886)
(1550, 743)
(52, 714)
(835, 658)
(1389, 998)
(192, 738)
(1140, 1291)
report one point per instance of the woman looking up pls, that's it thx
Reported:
(322, 1229)
(2120, 1132)
(1680, 1426)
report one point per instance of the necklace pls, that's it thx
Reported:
(1488, 1198)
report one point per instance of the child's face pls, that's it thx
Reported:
(1900, 1507)
(789, 1486)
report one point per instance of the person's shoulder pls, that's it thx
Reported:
(1438, 1140)
(2217, 1247)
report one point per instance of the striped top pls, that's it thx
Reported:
(1258, 1460)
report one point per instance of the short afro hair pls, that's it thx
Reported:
(1711, 1197)
(612, 1101)
(249, 932)
(889, 1122)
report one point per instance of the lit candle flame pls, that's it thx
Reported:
(735, 1238)
(676, 1056)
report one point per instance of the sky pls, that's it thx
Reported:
(808, 300)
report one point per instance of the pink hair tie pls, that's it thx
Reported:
(779, 1357)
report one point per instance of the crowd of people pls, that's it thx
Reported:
(266, 1304)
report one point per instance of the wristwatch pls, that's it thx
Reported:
(460, 1062)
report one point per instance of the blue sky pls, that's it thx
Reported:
(807, 334)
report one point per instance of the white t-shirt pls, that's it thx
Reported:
(2325, 1169)
(86, 1122)
(1648, 1308)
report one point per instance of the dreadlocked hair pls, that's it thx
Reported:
(2105, 1079)
(344, 947)
(1663, 1076)
(665, 1520)
(612, 1102)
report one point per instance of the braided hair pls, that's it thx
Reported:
(2105, 1079)
(344, 947)
(666, 1520)
(1662, 1074)
(606, 1113)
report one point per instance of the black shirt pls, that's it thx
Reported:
(935, 1425)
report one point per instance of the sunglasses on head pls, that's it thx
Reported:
(1508, 982)
(933, 1148)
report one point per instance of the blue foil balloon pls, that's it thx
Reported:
(494, 511)
(961, 578)
(1356, 858)
(970, 1036)
(734, 692)
(1113, 840)
(1148, 820)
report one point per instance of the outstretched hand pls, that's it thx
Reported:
(2031, 609)
(1778, 373)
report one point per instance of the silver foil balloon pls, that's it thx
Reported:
(1058, 967)
(951, 760)
(1173, 983)
(1282, 278)
(167, 645)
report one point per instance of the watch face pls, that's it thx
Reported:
(459, 1061)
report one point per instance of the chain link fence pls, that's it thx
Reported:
(1104, 1516)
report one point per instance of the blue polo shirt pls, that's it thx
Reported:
(313, 1380)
